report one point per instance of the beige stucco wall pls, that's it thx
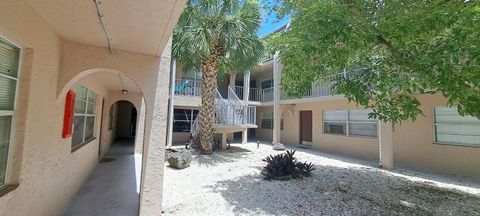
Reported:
(413, 142)
(47, 172)
(414, 146)
(361, 147)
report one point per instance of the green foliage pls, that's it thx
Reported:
(286, 165)
(231, 24)
(390, 49)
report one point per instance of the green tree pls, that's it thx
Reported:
(213, 36)
(390, 49)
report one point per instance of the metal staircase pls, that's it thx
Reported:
(231, 113)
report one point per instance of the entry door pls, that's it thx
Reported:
(306, 127)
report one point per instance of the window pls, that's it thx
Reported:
(9, 61)
(183, 119)
(267, 84)
(84, 118)
(360, 125)
(452, 128)
(112, 121)
(282, 123)
(335, 121)
(266, 120)
(349, 123)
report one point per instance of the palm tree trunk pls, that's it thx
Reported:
(206, 130)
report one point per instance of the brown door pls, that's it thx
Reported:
(306, 127)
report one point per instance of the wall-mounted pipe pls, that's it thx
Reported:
(98, 5)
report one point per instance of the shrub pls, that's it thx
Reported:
(285, 165)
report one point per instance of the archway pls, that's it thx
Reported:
(123, 120)
(119, 125)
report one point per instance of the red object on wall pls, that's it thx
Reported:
(68, 115)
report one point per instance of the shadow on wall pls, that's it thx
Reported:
(343, 191)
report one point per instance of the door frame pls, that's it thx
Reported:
(300, 127)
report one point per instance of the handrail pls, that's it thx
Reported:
(233, 97)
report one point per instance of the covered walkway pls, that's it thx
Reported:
(112, 188)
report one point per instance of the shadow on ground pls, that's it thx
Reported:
(230, 155)
(343, 191)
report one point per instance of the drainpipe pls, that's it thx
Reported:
(170, 108)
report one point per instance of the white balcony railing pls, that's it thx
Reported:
(187, 87)
(266, 95)
(314, 91)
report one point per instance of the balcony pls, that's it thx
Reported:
(314, 91)
(256, 94)
(188, 87)
(266, 95)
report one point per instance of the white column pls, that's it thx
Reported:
(385, 145)
(140, 128)
(151, 186)
(276, 100)
(231, 82)
(224, 140)
(171, 105)
(246, 86)
(245, 136)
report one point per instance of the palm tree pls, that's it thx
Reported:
(213, 36)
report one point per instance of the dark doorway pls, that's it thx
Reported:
(126, 120)
(306, 127)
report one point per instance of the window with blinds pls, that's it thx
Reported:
(9, 61)
(349, 123)
(84, 118)
(266, 120)
(452, 128)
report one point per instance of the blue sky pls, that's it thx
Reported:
(269, 22)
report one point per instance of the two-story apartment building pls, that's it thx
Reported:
(440, 141)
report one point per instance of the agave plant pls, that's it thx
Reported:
(285, 165)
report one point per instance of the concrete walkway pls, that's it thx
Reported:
(111, 189)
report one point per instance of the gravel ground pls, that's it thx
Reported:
(229, 183)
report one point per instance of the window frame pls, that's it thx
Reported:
(7, 185)
(193, 115)
(271, 121)
(85, 141)
(112, 115)
(434, 118)
(347, 124)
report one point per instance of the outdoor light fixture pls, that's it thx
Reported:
(124, 91)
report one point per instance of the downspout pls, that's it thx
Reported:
(101, 18)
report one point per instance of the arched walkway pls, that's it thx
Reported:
(113, 187)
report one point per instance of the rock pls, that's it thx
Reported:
(278, 147)
(179, 160)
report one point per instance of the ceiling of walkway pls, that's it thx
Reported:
(137, 26)
(112, 81)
